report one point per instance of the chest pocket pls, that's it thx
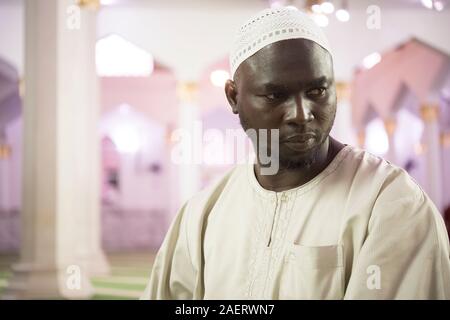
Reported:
(313, 273)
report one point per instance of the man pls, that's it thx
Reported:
(334, 222)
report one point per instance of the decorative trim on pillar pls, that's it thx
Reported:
(420, 149)
(5, 151)
(187, 91)
(342, 91)
(89, 4)
(361, 138)
(429, 112)
(308, 5)
(169, 130)
(445, 139)
(390, 125)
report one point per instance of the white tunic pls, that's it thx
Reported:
(361, 229)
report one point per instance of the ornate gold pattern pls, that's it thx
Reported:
(187, 91)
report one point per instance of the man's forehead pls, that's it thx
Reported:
(280, 84)
(297, 59)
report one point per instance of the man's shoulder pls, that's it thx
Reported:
(397, 198)
(206, 198)
(388, 179)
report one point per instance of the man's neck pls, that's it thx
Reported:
(286, 179)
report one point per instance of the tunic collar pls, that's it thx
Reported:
(332, 166)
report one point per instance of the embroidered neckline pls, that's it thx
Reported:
(332, 166)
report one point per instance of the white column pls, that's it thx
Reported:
(343, 129)
(60, 164)
(445, 144)
(96, 260)
(189, 173)
(433, 157)
(5, 177)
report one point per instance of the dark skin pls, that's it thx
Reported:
(289, 85)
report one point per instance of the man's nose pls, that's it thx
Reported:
(299, 111)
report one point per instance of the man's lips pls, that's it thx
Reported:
(299, 138)
(299, 142)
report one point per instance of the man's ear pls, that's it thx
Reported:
(231, 93)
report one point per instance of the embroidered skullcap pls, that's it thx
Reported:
(272, 25)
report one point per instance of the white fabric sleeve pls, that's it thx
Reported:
(405, 254)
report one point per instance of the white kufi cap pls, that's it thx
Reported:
(272, 25)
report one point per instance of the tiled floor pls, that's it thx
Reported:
(129, 275)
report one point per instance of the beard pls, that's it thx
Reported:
(302, 161)
(288, 159)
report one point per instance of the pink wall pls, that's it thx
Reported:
(140, 208)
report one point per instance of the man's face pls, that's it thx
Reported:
(288, 85)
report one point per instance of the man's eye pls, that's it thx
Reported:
(275, 96)
(317, 92)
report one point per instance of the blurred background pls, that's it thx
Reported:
(92, 92)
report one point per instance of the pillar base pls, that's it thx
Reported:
(30, 282)
(99, 265)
